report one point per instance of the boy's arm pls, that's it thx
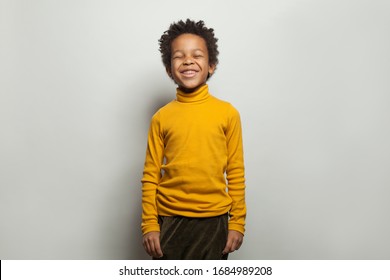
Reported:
(235, 173)
(151, 176)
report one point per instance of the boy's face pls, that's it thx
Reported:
(190, 62)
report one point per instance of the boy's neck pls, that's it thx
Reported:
(191, 90)
(199, 96)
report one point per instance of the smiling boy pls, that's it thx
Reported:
(193, 184)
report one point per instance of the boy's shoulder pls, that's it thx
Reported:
(163, 109)
(167, 106)
(225, 104)
(222, 102)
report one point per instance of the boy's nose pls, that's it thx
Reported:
(188, 61)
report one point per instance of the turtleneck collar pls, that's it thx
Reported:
(198, 96)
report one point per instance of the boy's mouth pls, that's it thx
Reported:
(189, 73)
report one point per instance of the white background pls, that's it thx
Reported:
(79, 81)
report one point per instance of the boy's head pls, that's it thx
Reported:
(189, 52)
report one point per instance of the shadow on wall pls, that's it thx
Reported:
(120, 236)
(154, 96)
(160, 97)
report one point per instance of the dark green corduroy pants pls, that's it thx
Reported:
(183, 238)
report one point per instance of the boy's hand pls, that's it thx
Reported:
(151, 242)
(234, 241)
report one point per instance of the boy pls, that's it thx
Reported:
(190, 209)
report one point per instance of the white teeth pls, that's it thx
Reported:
(189, 73)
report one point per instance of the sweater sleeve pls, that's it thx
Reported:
(235, 172)
(151, 176)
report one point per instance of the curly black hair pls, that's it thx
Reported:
(198, 28)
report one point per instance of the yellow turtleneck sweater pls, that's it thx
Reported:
(194, 164)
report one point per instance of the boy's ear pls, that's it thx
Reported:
(211, 69)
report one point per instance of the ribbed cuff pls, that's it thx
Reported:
(149, 228)
(237, 227)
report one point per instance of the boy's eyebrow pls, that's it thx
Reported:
(194, 50)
